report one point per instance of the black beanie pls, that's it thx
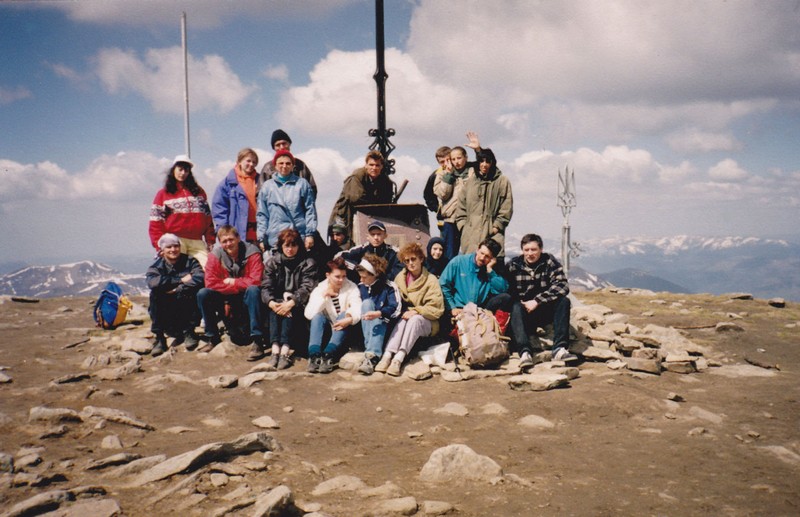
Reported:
(280, 134)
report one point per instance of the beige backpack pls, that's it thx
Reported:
(480, 341)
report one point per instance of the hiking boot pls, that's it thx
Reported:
(284, 362)
(394, 368)
(326, 365)
(211, 341)
(562, 354)
(525, 360)
(384, 363)
(190, 340)
(367, 367)
(256, 349)
(313, 363)
(273, 361)
(160, 346)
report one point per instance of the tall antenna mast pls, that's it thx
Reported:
(567, 201)
(381, 134)
(185, 85)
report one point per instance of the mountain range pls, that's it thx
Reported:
(766, 268)
(85, 278)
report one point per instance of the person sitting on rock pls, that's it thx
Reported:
(471, 278)
(334, 305)
(174, 280)
(377, 245)
(289, 278)
(538, 291)
(233, 292)
(380, 307)
(423, 305)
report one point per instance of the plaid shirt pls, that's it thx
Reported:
(543, 281)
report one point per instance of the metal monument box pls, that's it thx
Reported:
(404, 223)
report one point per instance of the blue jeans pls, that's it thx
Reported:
(212, 308)
(320, 326)
(374, 330)
(280, 327)
(452, 239)
(524, 323)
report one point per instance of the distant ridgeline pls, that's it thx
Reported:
(83, 278)
(765, 268)
(681, 264)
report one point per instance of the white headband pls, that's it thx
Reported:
(366, 265)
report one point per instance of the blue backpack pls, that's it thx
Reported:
(111, 307)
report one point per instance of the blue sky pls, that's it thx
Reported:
(678, 117)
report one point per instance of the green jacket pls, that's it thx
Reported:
(424, 295)
(484, 203)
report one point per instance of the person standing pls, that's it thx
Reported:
(485, 205)
(281, 141)
(181, 208)
(368, 185)
(285, 201)
(447, 186)
(234, 201)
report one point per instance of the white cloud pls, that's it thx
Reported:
(202, 14)
(612, 51)
(127, 176)
(693, 140)
(340, 97)
(727, 171)
(277, 73)
(158, 77)
(615, 70)
(8, 95)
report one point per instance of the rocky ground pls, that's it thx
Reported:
(682, 405)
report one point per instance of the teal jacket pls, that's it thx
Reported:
(463, 281)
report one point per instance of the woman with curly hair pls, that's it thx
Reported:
(423, 305)
(181, 208)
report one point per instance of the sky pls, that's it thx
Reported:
(679, 117)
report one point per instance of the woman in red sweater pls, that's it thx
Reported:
(181, 208)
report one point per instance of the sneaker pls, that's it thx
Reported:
(525, 360)
(190, 340)
(273, 361)
(160, 347)
(212, 341)
(313, 364)
(384, 363)
(256, 350)
(394, 368)
(284, 362)
(562, 354)
(367, 368)
(326, 365)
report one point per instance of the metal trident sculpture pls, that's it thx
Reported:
(381, 134)
(566, 200)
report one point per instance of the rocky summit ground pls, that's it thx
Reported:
(682, 405)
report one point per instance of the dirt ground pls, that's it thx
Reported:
(619, 446)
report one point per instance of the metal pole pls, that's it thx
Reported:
(185, 85)
(381, 134)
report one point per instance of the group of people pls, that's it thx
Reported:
(253, 259)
